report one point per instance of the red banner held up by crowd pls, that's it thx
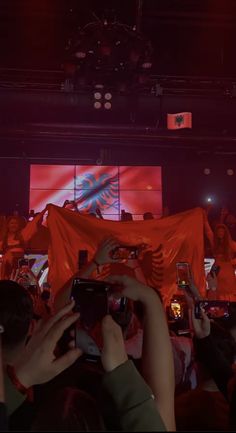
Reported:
(172, 239)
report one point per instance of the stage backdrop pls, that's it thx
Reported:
(111, 188)
(169, 240)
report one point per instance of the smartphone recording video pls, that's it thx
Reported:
(94, 300)
(183, 275)
(91, 301)
(213, 309)
(125, 252)
(176, 310)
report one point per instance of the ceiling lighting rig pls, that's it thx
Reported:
(109, 53)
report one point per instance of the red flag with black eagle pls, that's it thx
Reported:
(178, 238)
(179, 120)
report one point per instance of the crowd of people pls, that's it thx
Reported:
(145, 376)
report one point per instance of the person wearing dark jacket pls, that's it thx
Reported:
(127, 402)
(215, 361)
(33, 362)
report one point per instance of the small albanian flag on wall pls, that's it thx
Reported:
(179, 120)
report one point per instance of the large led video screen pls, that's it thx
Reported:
(110, 188)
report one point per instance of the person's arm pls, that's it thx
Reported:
(192, 289)
(37, 363)
(207, 230)
(102, 257)
(32, 226)
(214, 360)
(63, 296)
(157, 355)
(132, 398)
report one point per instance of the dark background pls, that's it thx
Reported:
(194, 62)
(190, 37)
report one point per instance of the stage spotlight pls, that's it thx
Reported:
(207, 171)
(108, 96)
(99, 86)
(80, 55)
(230, 172)
(97, 105)
(209, 199)
(97, 95)
(147, 65)
(107, 105)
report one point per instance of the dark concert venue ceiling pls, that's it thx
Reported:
(190, 37)
(191, 44)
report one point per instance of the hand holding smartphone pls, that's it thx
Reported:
(213, 309)
(94, 300)
(125, 252)
(176, 310)
(183, 275)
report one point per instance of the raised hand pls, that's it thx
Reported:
(113, 352)
(38, 363)
(192, 288)
(131, 288)
(201, 327)
(104, 252)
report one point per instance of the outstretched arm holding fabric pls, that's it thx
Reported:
(157, 356)
(208, 230)
(32, 226)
